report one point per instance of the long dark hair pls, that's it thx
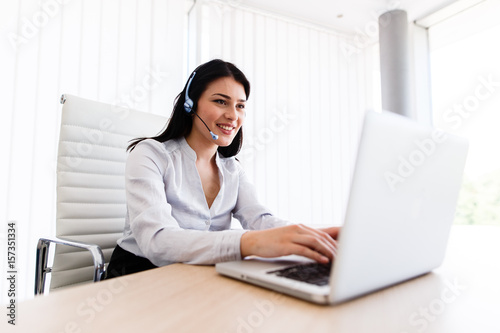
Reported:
(181, 122)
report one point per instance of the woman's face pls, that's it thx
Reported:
(222, 108)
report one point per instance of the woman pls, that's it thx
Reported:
(184, 186)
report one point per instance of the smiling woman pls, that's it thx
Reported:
(222, 106)
(185, 185)
(186, 105)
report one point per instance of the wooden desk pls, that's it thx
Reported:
(461, 296)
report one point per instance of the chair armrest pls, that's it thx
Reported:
(42, 252)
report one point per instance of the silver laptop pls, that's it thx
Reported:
(401, 207)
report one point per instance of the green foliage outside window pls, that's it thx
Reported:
(479, 200)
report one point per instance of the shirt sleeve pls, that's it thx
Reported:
(157, 233)
(248, 210)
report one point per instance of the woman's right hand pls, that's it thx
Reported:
(317, 244)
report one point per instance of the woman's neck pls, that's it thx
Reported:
(205, 151)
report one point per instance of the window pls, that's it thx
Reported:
(466, 102)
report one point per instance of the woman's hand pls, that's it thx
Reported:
(316, 244)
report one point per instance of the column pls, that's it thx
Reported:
(395, 62)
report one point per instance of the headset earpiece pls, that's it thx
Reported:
(188, 106)
(188, 103)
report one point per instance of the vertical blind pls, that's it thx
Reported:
(308, 97)
(303, 118)
(124, 52)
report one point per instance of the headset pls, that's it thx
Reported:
(189, 104)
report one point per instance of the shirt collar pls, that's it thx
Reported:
(186, 148)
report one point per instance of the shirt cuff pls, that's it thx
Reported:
(230, 245)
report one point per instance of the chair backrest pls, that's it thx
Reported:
(90, 180)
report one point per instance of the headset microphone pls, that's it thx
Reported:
(188, 106)
(214, 136)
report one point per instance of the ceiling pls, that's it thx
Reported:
(347, 15)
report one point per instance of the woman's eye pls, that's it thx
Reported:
(220, 101)
(241, 106)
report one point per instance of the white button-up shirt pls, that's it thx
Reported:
(168, 219)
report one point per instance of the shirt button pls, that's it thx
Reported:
(207, 222)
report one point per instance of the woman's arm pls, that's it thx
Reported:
(156, 232)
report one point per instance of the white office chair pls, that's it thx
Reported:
(90, 189)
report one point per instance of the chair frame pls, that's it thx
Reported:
(42, 255)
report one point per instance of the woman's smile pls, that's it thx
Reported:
(226, 129)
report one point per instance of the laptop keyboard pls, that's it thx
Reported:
(313, 273)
